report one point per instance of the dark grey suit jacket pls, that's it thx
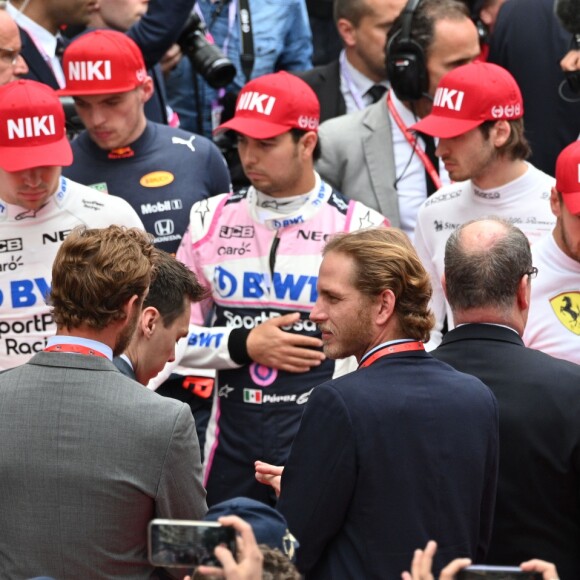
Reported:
(358, 158)
(324, 80)
(537, 511)
(88, 458)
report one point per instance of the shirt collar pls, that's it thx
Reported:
(87, 342)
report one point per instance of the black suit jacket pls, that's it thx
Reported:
(38, 69)
(538, 496)
(325, 82)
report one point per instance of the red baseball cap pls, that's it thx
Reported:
(273, 104)
(568, 176)
(468, 96)
(32, 127)
(102, 62)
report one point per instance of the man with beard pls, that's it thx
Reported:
(259, 252)
(89, 455)
(405, 447)
(554, 318)
(477, 116)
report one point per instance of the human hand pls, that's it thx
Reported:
(571, 61)
(269, 475)
(269, 345)
(547, 569)
(423, 562)
(170, 59)
(249, 566)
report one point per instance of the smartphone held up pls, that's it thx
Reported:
(187, 543)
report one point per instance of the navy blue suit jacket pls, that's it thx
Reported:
(124, 367)
(538, 495)
(386, 458)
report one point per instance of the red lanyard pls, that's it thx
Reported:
(392, 349)
(413, 142)
(75, 348)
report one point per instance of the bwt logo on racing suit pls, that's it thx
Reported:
(27, 127)
(448, 99)
(252, 101)
(24, 293)
(98, 70)
(253, 285)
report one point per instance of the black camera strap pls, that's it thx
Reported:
(246, 39)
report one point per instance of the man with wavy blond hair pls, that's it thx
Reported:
(92, 456)
(403, 449)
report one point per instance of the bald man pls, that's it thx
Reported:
(12, 65)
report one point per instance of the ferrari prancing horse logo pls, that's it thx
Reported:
(566, 306)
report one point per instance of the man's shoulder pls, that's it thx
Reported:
(356, 119)
(320, 74)
(180, 137)
(94, 206)
(446, 196)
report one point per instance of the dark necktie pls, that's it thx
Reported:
(59, 51)
(376, 92)
(430, 151)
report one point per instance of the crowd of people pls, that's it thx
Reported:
(336, 307)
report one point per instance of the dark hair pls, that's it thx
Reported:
(423, 24)
(384, 258)
(171, 284)
(96, 272)
(297, 134)
(481, 277)
(517, 146)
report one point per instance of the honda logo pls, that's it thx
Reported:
(164, 227)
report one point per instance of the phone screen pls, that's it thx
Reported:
(187, 543)
(496, 573)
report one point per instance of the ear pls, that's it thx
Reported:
(444, 284)
(486, 16)
(347, 31)
(150, 317)
(523, 293)
(500, 133)
(146, 89)
(555, 203)
(308, 142)
(386, 306)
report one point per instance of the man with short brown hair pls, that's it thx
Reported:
(92, 456)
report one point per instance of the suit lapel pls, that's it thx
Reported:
(379, 156)
(38, 68)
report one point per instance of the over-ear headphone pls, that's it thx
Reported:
(406, 67)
